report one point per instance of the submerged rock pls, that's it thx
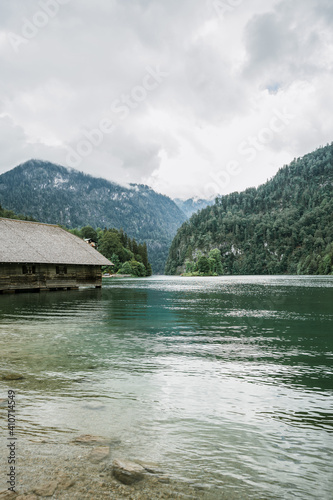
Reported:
(7, 495)
(94, 405)
(12, 376)
(26, 496)
(46, 490)
(127, 472)
(151, 467)
(40, 440)
(98, 454)
(90, 439)
(65, 483)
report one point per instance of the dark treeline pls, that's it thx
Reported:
(128, 256)
(9, 214)
(283, 227)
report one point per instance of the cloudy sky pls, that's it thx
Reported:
(192, 97)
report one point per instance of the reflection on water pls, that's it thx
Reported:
(223, 381)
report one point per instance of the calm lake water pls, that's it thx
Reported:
(224, 382)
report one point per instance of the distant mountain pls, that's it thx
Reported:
(283, 227)
(192, 205)
(54, 194)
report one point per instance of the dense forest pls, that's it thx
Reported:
(284, 226)
(57, 195)
(9, 214)
(125, 253)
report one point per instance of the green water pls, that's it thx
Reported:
(224, 382)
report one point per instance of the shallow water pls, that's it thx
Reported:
(224, 382)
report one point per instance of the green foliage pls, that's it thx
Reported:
(109, 244)
(116, 262)
(88, 232)
(283, 227)
(126, 268)
(189, 267)
(116, 246)
(149, 270)
(9, 214)
(215, 262)
(134, 268)
(76, 232)
(138, 269)
(203, 265)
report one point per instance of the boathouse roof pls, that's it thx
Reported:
(34, 242)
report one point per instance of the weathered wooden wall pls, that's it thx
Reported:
(47, 276)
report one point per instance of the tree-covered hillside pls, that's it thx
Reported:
(54, 194)
(127, 256)
(9, 214)
(283, 227)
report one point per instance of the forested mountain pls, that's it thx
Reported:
(9, 214)
(284, 226)
(127, 256)
(192, 205)
(54, 194)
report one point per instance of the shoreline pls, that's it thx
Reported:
(79, 470)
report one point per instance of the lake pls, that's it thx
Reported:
(224, 382)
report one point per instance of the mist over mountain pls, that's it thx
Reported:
(54, 194)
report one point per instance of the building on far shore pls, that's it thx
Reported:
(36, 257)
(90, 242)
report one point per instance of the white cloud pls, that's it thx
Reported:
(227, 76)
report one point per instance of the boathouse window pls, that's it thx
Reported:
(28, 269)
(61, 269)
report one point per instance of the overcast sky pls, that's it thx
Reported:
(192, 97)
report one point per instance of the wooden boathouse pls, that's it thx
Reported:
(36, 257)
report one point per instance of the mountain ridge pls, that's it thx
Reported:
(192, 205)
(59, 195)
